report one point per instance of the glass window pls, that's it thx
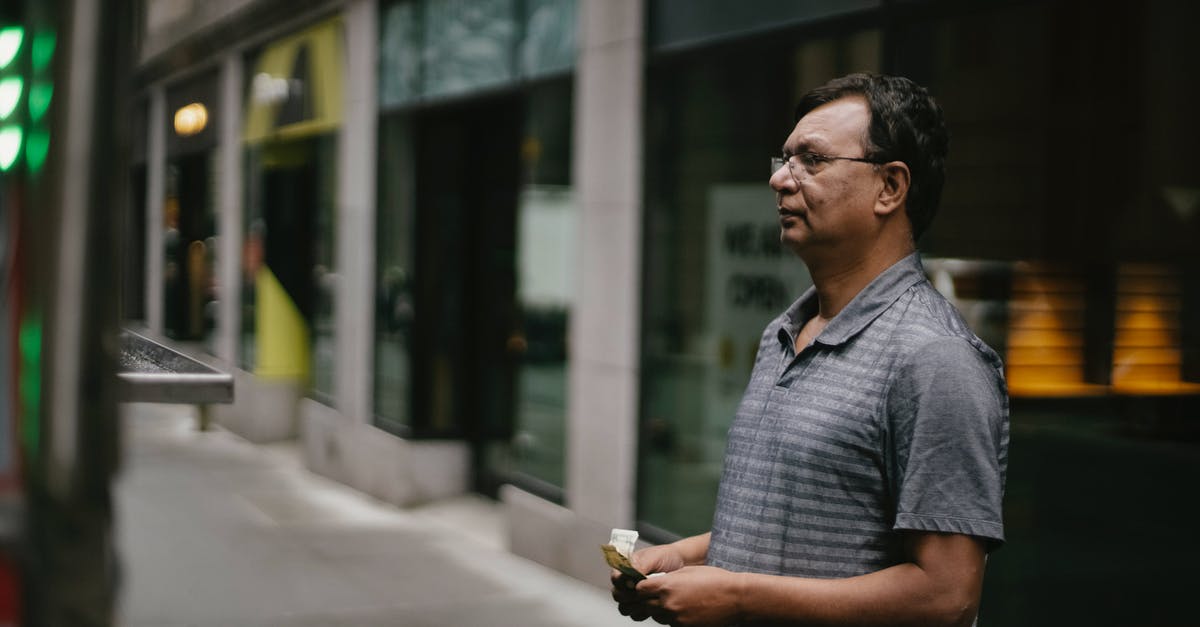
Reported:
(189, 212)
(400, 54)
(394, 278)
(467, 45)
(189, 248)
(686, 23)
(715, 271)
(446, 48)
(1086, 283)
(545, 286)
(288, 280)
(1099, 331)
(548, 45)
(474, 292)
(293, 112)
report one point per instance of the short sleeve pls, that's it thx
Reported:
(947, 438)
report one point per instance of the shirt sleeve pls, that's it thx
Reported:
(948, 441)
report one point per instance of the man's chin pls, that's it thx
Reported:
(794, 239)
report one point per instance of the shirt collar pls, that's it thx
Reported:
(873, 300)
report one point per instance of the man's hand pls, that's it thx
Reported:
(693, 596)
(656, 559)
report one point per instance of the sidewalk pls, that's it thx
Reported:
(212, 530)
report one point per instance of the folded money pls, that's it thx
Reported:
(620, 562)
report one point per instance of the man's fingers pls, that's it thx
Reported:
(638, 614)
(625, 596)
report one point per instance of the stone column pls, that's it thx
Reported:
(355, 302)
(229, 208)
(604, 334)
(156, 165)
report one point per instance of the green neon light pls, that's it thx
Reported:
(37, 145)
(30, 386)
(42, 50)
(10, 44)
(40, 93)
(10, 95)
(10, 146)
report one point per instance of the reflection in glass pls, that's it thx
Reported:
(288, 280)
(715, 272)
(436, 48)
(400, 54)
(549, 42)
(467, 45)
(547, 235)
(394, 308)
(189, 241)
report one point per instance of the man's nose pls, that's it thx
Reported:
(781, 180)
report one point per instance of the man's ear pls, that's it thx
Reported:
(896, 179)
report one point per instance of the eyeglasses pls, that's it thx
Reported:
(812, 162)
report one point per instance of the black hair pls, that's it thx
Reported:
(906, 125)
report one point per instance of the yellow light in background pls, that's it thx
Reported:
(10, 145)
(190, 119)
(1147, 339)
(10, 43)
(1046, 333)
(10, 95)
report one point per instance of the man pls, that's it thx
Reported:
(865, 465)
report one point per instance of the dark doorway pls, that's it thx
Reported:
(289, 208)
(467, 181)
(188, 243)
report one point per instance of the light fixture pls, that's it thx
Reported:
(191, 119)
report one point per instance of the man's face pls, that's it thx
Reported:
(828, 206)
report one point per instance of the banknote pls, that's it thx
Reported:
(624, 540)
(620, 562)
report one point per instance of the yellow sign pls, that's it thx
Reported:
(296, 88)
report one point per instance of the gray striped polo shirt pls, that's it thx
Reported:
(894, 418)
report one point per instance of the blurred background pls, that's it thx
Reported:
(525, 249)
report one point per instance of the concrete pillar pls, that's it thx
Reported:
(604, 334)
(229, 208)
(156, 165)
(355, 292)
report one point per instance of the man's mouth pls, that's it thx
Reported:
(790, 213)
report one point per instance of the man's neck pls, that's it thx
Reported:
(838, 281)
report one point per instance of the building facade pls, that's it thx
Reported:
(526, 248)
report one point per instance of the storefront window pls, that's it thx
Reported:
(437, 49)
(1085, 283)
(475, 282)
(1088, 289)
(189, 215)
(549, 42)
(545, 291)
(467, 45)
(715, 271)
(293, 112)
(394, 306)
(474, 278)
(677, 24)
(189, 249)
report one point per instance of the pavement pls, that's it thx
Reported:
(214, 530)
